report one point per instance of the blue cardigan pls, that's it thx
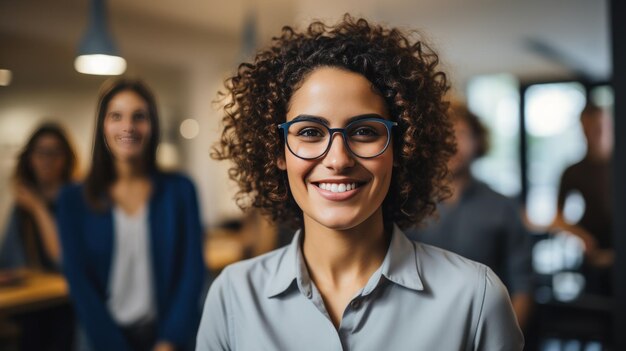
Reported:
(176, 247)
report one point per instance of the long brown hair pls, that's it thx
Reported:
(24, 172)
(102, 172)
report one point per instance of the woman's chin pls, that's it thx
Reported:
(339, 220)
(129, 157)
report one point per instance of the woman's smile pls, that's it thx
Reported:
(338, 189)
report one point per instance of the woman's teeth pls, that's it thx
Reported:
(128, 139)
(337, 188)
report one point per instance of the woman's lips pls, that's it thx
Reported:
(128, 140)
(337, 191)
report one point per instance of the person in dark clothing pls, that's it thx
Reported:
(30, 239)
(591, 178)
(46, 163)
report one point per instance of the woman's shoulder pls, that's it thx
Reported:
(172, 177)
(451, 274)
(460, 286)
(173, 180)
(254, 274)
(448, 269)
(430, 254)
(72, 192)
(262, 265)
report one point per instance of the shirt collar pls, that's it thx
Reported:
(399, 266)
(289, 266)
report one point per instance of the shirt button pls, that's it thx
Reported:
(356, 304)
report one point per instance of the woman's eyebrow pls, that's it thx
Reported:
(312, 117)
(364, 116)
(326, 122)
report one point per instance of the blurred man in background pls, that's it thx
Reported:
(591, 177)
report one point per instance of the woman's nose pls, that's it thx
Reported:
(338, 156)
(128, 125)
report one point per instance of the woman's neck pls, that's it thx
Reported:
(129, 170)
(131, 189)
(49, 190)
(344, 257)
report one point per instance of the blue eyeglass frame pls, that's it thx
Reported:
(331, 131)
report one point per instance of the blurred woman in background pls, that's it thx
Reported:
(131, 235)
(30, 241)
(46, 163)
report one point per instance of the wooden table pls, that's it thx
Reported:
(36, 290)
(223, 249)
(222, 246)
(33, 291)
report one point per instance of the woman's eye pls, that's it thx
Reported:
(115, 116)
(365, 131)
(310, 132)
(140, 116)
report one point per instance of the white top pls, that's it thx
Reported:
(131, 297)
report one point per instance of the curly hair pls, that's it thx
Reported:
(404, 72)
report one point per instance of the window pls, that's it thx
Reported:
(495, 100)
(554, 141)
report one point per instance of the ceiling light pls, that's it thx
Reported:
(5, 77)
(97, 53)
(189, 128)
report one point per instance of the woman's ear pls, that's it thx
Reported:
(281, 163)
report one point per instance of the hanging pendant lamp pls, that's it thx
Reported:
(249, 37)
(97, 54)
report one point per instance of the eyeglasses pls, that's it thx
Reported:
(47, 153)
(308, 138)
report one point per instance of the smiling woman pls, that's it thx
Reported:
(342, 131)
(131, 234)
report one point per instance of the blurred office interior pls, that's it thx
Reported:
(527, 68)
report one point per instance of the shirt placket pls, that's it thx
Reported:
(311, 293)
(350, 321)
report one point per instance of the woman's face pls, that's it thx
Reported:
(336, 96)
(48, 159)
(127, 127)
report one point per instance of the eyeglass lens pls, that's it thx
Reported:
(47, 152)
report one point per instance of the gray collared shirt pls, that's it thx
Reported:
(421, 298)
